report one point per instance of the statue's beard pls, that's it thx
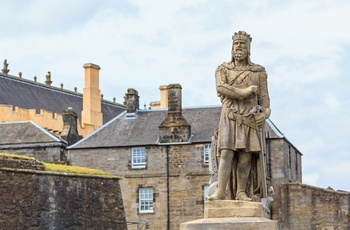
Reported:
(239, 54)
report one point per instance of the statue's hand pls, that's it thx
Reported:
(253, 89)
(247, 92)
(262, 116)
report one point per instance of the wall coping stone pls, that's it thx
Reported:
(59, 173)
(314, 187)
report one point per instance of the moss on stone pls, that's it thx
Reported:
(51, 167)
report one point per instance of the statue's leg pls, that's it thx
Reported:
(224, 173)
(243, 170)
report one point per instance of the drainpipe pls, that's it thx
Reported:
(268, 146)
(168, 185)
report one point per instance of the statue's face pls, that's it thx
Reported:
(240, 50)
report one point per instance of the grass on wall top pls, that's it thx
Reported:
(50, 167)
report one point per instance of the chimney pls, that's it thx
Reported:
(174, 127)
(164, 96)
(131, 100)
(163, 103)
(91, 113)
(70, 127)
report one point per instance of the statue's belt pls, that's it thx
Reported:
(247, 120)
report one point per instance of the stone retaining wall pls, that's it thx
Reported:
(307, 207)
(44, 200)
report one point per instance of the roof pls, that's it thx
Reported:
(272, 130)
(25, 132)
(28, 94)
(143, 129)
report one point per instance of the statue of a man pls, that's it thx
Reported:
(242, 88)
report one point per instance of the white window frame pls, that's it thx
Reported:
(206, 192)
(206, 153)
(138, 157)
(146, 200)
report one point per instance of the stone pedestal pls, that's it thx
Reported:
(233, 208)
(232, 214)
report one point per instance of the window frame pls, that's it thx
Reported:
(136, 156)
(206, 152)
(146, 204)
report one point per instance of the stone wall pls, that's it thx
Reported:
(306, 207)
(45, 200)
(285, 166)
(47, 153)
(187, 177)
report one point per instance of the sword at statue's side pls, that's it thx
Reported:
(255, 110)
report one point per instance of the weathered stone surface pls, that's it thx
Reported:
(306, 207)
(43, 200)
(233, 208)
(20, 164)
(188, 176)
(242, 88)
(247, 223)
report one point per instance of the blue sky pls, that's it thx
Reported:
(143, 44)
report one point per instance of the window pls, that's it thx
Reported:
(138, 158)
(206, 151)
(206, 191)
(145, 200)
(289, 157)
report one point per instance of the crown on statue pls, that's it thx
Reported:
(241, 35)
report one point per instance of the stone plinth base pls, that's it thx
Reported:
(232, 214)
(233, 208)
(242, 223)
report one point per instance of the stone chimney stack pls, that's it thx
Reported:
(91, 113)
(70, 126)
(131, 100)
(174, 127)
(163, 96)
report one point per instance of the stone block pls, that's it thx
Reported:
(233, 208)
(242, 223)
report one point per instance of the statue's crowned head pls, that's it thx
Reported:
(241, 36)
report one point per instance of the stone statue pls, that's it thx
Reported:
(242, 88)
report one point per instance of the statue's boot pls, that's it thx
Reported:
(217, 195)
(243, 196)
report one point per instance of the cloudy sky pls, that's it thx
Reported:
(143, 44)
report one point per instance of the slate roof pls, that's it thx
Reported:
(24, 133)
(28, 94)
(143, 129)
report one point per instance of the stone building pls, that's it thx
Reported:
(28, 138)
(22, 100)
(163, 155)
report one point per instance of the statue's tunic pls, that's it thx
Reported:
(237, 128)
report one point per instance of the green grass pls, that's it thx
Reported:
(51, 167)
(15, 156)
